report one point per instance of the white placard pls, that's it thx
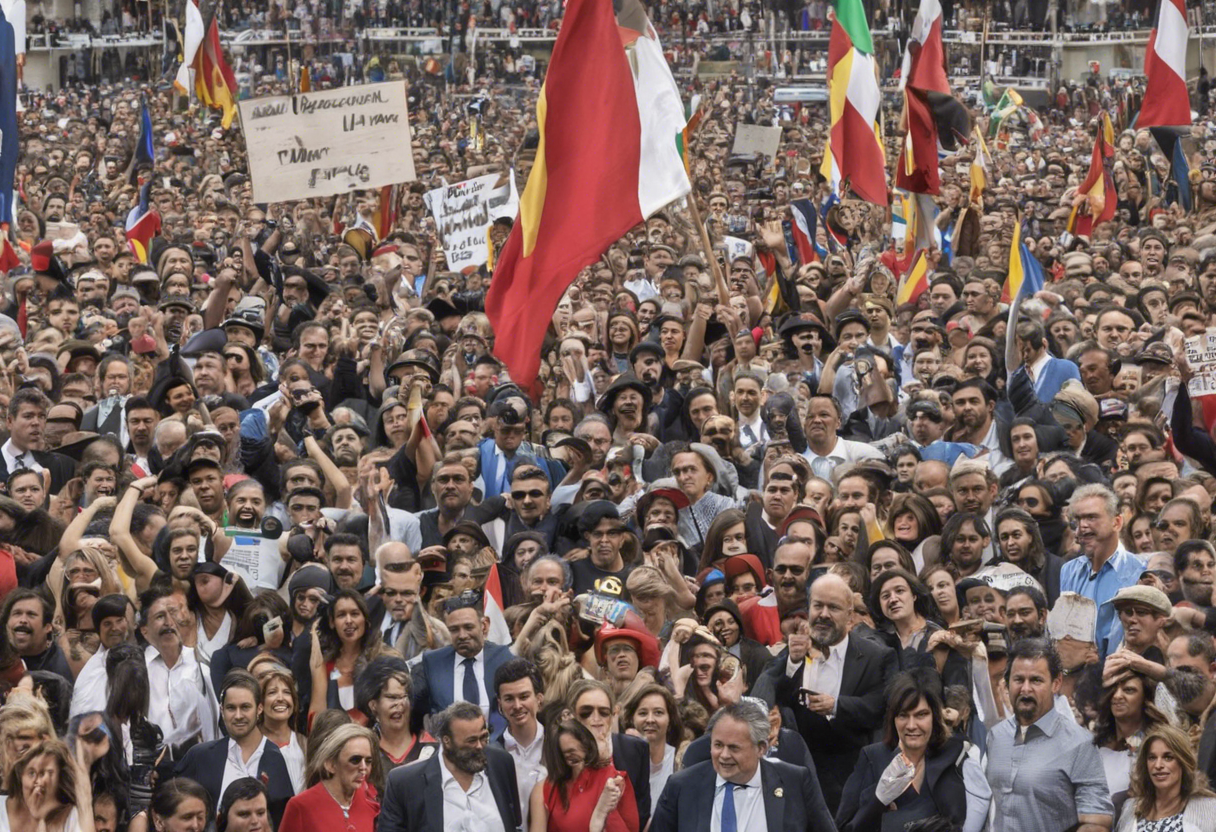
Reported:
(755, 139)
(328, 142)
(1201, 356)
(254, 558)
(464, 212)
(1074, 616)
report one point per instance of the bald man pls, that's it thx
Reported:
(837, 720)
(930, 473)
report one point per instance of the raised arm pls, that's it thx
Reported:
(138, 565)
(331, 471)
(73, 534)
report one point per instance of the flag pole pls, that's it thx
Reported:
(719, 280)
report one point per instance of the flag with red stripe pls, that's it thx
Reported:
(1166, 100)
(802, 228)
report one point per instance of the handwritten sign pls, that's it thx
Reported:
(1201, 356)
(464, 212)
(329, 142)
(1073, 616)
(756, 140)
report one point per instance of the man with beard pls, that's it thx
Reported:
(848, 676)
(1025, 613)
(115, 625)
(245, 752)
(346, 445)
(975, 421)
(453, 489)
(463, 670)
(646, 359)
(594, 430)
(246, 504)
(179, 703)
(1044, 769)
(1191, 678)
(28, 618)
(345, 558)
(763, 614)
(927, 425)
(141, 421)
(475, 777)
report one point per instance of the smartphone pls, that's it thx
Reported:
(271, 627)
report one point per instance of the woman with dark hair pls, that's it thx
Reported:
(885, 555)
(919, 771)
(845, 524)
(582, 792)
(1137, 534)
(965, 537)
(725, 536)
(1019, 542)
(108, 773)
(179, 805)
(1042, 501)
(520, 549)
(916, 525)
(244, 807)
(1170, 791)
(342, 645)
(1126, 713)
(58, 799)
(653, 713)
(244, 368)
(382, 693)
(280, 711)
(218, 599)
(127, 711)
(906, 619)
(1021, 444)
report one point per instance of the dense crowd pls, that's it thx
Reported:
(283, 546)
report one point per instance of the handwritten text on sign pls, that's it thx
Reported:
(1201, 356)
(330, 142)
(463, 214)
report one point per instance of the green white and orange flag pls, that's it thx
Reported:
(610, 118)
(854, 152)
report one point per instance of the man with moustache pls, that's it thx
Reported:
(452, 486)
(848, 676)
(179, 703)
(345, 445)
(763, 614)
(666, 402)
(246, 504)
(28, 622)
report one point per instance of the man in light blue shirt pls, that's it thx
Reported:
(1105, 566)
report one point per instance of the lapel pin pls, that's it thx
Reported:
(778, 792)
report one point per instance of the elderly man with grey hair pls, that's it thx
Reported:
(739, 789)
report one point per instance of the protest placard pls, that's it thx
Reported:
(464, 212)
(1201, 356)
(329, 142)
(1073, 616)
(756, 140)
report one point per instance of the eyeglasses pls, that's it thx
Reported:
(1028, 502)
(534, 494)
(784, 568)
(359, 760)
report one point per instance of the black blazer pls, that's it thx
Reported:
(62, 468)
(861, 811)
(112, 424)
(790, 749)
(632, 756)
(835, 743)
(413, 796)
(204, 763)
(793, 801)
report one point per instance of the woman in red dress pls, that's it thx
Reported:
(338, 799)
(581, 793)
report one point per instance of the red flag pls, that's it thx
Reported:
(214, 81)
(1166, 101)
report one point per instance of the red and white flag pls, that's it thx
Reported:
(499, 633)
(1166, 101)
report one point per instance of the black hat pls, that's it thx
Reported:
(470, 528)
(249, 315)
(209, 567)
(181, 301)
(625, 381)
(200, 462)
(310, 576)
(930, 409)
(110, 606)
(417, 358)
(510, 410)
(850, 316)
(209, 340)
(646, 347)
(441, 308)
(561, 439)
(595, 511)
(805, 321)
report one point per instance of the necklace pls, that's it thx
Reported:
(345, 809)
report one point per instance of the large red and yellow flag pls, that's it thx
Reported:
(1097, 194)
(854, 155)
(608, 115)
(214, 81)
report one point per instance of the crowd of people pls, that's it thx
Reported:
(284, 547)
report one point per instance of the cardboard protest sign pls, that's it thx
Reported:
(1201, 356)
(328, 142)
(756, 140)
(1074, 616)
(254, 557)
(464, 212)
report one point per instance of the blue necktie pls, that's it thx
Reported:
(470, 683)
(729, 823)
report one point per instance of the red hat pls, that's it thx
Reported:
(646, 645)
(806, 513)
(738, 564)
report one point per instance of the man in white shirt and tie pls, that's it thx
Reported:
(739, 789)
(25, 447)
(824, 449)
(747, 394)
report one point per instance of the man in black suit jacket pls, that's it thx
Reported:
(27, 419)
(414, 795)
(786, 797)
(836, 724)
(208, 762)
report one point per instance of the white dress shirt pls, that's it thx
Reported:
(529, 765)
(823, 675)
(479, 672)
(179, 702)
(758, 430)
(471, 811)
(236, 766)
(749, 805)
(846, 450)
(15, 458)
(89, 693)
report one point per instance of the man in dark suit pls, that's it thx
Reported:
(244, 753)
(24, 449)
(739, 790)
(470, 785)
(464, 670)
(837, 696)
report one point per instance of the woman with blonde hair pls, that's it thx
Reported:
(338, 774)
(23, 724)
(58, 797)
(87, 576)
(1168, 791)
(650, 593)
